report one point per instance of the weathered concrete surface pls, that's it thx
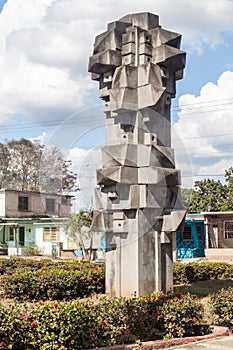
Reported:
(225, 343)
(137, 201)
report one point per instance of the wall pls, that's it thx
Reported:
(216, 232)
(2, 203)
(46, 247)
(37, 205)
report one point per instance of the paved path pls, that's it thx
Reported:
(221, 343)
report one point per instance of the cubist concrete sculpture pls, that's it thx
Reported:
(137, 199)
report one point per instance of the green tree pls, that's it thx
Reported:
(79, 228)
(209, 195)
(27, 165)
(229, 182)
(24, 164)
(4, 165)
(186, 196)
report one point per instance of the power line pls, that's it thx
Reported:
(206, 137)
(207, 102)
(201, 175)
(78, 118)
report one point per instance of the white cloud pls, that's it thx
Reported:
(85, 163)
(41, 139)
(205, 126)
(45, 45)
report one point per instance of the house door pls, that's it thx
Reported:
(21, 236)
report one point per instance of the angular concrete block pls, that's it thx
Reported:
(128, 36)
(104, 61)
(144, 20)
(110, 176)
(150, 74)
(110, 40)
(156, 175)
(172, 222)
(125, 77)
(170, 57)
(161, 36)
(124, 98)
(149, 96)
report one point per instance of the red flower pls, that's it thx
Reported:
(34, 324)
(26, 317)
(2, 343)
(194, 319)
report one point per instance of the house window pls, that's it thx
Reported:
(51, 234)
(23, 203)
(50, 205)
(187, 234)
(228, 229)
(11, 233)
(64, 200)
(199, 233)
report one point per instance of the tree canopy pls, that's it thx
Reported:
(27, 165)
(210, 195)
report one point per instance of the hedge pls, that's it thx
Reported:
(45, 279)
(57, 283)
(192, 272)
(83, 325)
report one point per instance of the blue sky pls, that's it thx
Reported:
(2, 2)
(47, 93)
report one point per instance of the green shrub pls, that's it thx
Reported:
(11, 330)
(128, 320)
(222, 307)
(32, 251)
(182, 315)
(83, 325)
(192, 272)
(53, 284)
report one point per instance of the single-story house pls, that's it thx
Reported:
(204, 233)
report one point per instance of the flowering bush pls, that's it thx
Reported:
(84, 325)
(182, 315)
(57, 282)
(222, 307)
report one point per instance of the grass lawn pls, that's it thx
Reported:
(203, 289)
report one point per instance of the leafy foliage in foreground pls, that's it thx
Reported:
(222, 307)
(83, 325)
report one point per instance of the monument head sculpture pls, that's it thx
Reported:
(137, 201)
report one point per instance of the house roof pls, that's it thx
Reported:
(211, 213)
(37, 221)
(36, 192)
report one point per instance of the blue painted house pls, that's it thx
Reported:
(191, 242)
